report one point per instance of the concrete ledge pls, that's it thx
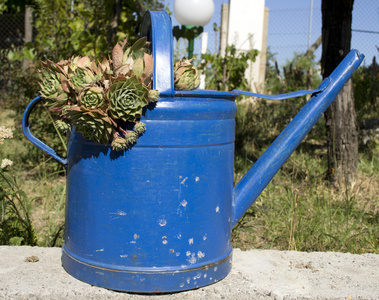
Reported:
(256, 274)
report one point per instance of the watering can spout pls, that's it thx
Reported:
(264, 169)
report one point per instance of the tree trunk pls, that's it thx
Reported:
(112, 29)
(342, 137)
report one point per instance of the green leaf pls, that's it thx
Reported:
(138, 67)
(8, 178)
(138, 45)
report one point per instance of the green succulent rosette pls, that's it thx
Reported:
(81, 78)
(139, 128)
(94, 124)
(119, 144)
(51, 88)
(92, 97)
(153, 95)
(131, 137)
(186, 76)
(62, 126)
(127, 97)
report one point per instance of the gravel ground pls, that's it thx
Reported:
(36, 273)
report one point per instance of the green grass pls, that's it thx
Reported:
(299, 211)
(45, 189)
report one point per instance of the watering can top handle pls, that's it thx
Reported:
(32, 138)
(156, 26)
(295, 94)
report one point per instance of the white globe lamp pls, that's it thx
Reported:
(193, 15)
(194, 12)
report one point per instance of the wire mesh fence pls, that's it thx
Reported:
(290, 30)
(12, 30)
(286, 37)
(294, 30)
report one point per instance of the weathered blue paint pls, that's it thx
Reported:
(159, 217)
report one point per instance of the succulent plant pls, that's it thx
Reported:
(92, 97)
(131, 137)
(119, 144)
(51, 88)
(186, 76)
(153, 95)
(139, 128)
(94, 124)
(62, 126)
(81, 78)
(136, 60)
(126, 98)
(98, 98)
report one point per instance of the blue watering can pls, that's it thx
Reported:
(159, 217)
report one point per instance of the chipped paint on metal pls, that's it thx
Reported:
(184, 180)
(205, 237)
(118, 213)
(197, 179)
(200, 254)
(124, 255)
(164, 242)
(190, 241)
(184, 203)
(162, 222)
(188, 253)
(100, 250)
(192, 260)
(217, 209)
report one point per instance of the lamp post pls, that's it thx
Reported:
(192, 15)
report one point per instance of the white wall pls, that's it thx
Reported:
(246, 17)
(246, 27)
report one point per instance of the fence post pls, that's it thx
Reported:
(28, 35)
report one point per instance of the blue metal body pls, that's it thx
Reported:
(159, 217)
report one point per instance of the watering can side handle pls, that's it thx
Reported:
(32, 138)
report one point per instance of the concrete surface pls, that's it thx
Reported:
(36, 273)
